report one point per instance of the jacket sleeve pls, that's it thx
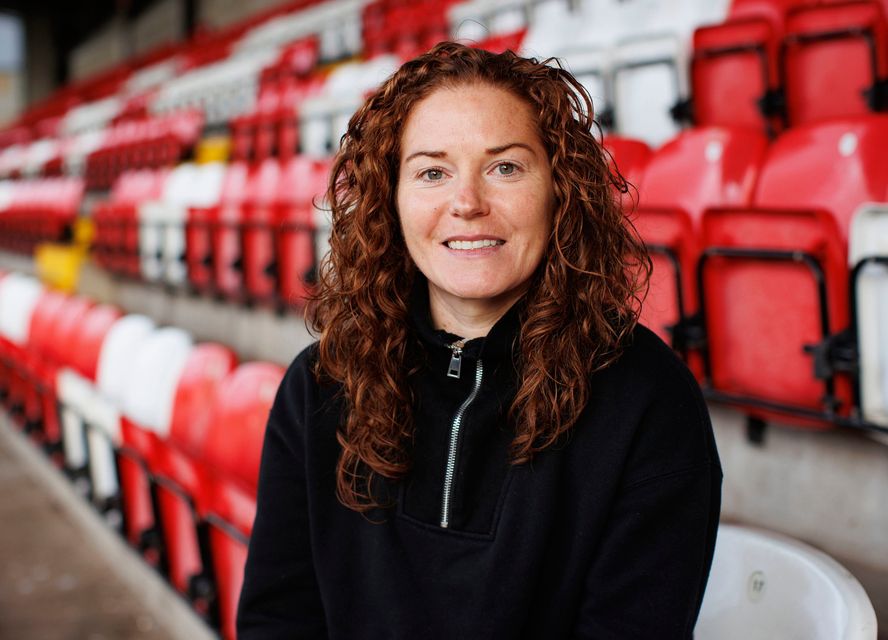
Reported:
(649, 572)
(280, 596)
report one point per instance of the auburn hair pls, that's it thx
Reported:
(579, 309)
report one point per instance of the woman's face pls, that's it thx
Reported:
(475, 195)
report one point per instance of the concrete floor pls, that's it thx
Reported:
(63, 574)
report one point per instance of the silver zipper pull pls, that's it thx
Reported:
(455, 359)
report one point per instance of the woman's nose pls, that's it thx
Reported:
(469, 200)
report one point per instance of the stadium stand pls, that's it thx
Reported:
(747, 134)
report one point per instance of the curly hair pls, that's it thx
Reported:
(581, 305)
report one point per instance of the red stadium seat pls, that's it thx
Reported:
(304, 182)
(736, 72)
(774, 277)
(212, 247)
(835, 61)
(178, 474)
(41, 417)
(257, 233)
(700, 168)
(630, 157)
(228, 499)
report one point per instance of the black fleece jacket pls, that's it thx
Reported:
(608, 535)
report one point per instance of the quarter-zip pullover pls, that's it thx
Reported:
(607, 535)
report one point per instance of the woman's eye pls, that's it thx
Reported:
(505, 168)
(433, 174)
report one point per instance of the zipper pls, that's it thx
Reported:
(456, 358)
(454, 434)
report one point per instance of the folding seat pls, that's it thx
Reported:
(145, 412)
(101, 411)
(41, 414)
(153, 220)
(71, 318)
(226, 224)
(201, 227)
(702, 167)
(868, 260)
(178, 474)
(766, 585)
(75, 381)
(735, 71)
(257, 231)
(189, 185)
(774, 276)
(835, 61)
(19, 295)
(630, 157)
(303, 184)
(227, 501)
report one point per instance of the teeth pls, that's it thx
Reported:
(472, 244)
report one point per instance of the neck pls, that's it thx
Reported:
(467, 318)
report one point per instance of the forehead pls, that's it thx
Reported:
(464, 113)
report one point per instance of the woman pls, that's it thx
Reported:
(483, 443)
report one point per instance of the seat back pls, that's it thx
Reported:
(306, 180)
(257, 235)
(833, 56)
(156, 370)
(177, 473)
(199, 225)
(703, 167)
(765, 585)
(87, 345)
(19, 295)
(232, 452)
(117, 355)
(868, 256)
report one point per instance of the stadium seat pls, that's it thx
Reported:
(178, 474)
(766, 585)
(101, 412)
(835, 61)
(204, 233)
(630, 157)
(145, 412)
(41, 415)
(227, 502)
(257, 230)
(774, 276)
(701, 167)
(162, 222)
(19, 296)
(868, 260)
(302, 188)
(65, 333)
(76, 381)
(735, 67)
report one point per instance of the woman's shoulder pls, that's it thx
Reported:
(658, 405)
(651, 366)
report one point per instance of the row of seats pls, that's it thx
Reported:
(753, 277)
(247, 232)
(162, 435)
(38, 211)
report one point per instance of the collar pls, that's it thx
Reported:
(499, 343)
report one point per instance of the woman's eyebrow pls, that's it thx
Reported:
(430, 154)
(505, 147)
